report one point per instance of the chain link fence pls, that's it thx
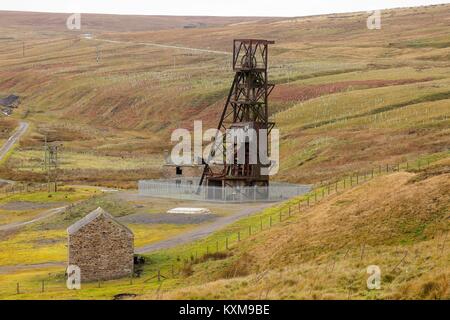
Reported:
(189, 189)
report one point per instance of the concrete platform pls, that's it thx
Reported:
(189, 211)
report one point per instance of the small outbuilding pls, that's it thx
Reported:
(101, 247)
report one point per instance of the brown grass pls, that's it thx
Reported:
(296, 93)
(131, 100)
(323, 253)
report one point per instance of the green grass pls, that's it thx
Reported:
(9, 216)
(65, 194)
(73, 160)
(8, 155)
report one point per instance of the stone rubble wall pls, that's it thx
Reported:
(103, 250)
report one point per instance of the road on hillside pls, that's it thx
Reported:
(159, 45)
(23, 126)
(46, 214)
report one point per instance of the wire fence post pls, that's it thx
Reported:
(43, 286)
(18, 288)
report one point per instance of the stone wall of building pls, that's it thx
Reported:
(187, 171)
(103, 249)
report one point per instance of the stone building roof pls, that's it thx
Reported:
(91, 217)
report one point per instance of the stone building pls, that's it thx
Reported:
(101, 247)
(170, 171)
(188, 172)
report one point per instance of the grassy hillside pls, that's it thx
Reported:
(346, 98)
(323, 253)
(7, 127)
(397, 221)
(102, 22)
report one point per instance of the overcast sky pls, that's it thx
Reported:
(209, 7)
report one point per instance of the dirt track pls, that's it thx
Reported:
(28, 205)
(166, 46)
(23, 126)
(42, 216)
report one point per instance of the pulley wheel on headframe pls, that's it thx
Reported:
(248, 62)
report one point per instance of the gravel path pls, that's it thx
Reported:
(23, 126)
(166, 46)
(29, 205)
(200, 232)
(42, 216)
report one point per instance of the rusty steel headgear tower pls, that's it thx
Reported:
(246, 107)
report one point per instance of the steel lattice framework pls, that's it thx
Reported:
(246, 105)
